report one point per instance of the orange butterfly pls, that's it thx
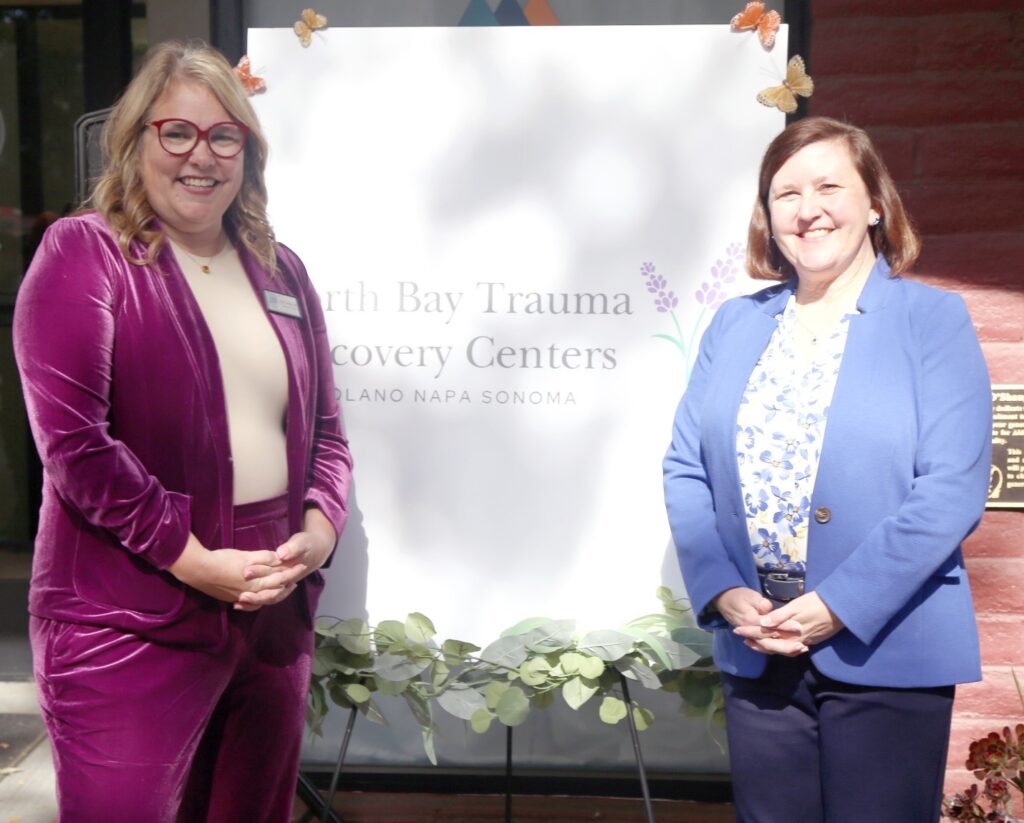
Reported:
(307, 24)
(797, 81)
(755, 17)
(253, 84)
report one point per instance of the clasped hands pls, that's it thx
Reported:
(790, 629)
(252, 579)
(273, 575)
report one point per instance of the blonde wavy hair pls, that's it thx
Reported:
(120, 195)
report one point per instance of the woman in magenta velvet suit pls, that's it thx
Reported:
(178, 382)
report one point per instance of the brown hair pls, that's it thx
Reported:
(894, 236)
(120, 196)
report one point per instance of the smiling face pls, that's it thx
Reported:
(820, 212)
(190, 193)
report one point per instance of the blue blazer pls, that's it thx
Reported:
(904, 472)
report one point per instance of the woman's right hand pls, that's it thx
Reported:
(742, 607)
(221, 575)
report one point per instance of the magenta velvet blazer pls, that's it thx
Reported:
(125, 400)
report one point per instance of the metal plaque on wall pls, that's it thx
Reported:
(1006, 480)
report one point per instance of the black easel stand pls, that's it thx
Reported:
(309, 794)
(508, 774)
(636, 750)
(314, 800)
(328, 813)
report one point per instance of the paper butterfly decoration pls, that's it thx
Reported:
(252, 83)
(797, 81)
(755, 18)
(307, 24)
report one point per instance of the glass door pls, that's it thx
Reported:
(43, 89)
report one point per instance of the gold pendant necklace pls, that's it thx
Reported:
(203, 267)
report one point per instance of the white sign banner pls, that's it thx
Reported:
(518, 235)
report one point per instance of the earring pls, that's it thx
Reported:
(875, 220)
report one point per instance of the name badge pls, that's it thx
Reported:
(281, 303)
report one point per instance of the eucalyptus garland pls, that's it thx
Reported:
(522, 670)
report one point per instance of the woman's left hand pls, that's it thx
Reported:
(793, 627)
(304, 552)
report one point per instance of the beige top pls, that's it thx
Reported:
(252, 367)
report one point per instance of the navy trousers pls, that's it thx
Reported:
(804, 748)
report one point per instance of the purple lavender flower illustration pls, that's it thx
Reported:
(710, 295)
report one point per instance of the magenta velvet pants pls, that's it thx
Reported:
(147, 732)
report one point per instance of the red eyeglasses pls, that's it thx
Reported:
(178, 136)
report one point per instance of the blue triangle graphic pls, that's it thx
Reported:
(510, 13)
(478, 13)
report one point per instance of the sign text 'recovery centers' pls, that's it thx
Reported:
(482, 351)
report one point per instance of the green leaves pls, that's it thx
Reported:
(398, 666)
(481, 721)
(673, 606)
(513, 707)
(506, 652)
(607, 644)
(418, 628)
(525, 668)
(612, 710)
(578, 690)
(354, 635)
(357, 692)
(535, 671)
(456, 651)
(462, 701)
(643, 718)
(552, 636)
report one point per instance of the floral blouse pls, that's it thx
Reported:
(780, 429)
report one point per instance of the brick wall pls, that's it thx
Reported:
(939, 84)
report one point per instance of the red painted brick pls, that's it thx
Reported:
(1002, 640)
(841, 46)
(1000, 534)
(994, 259)
(965, 206)
(975, 40)
(1017, 22)
(897, 149)
(957, 780)
(1005, 362)
(998, 586)
(826, 9)
(994, 696)
(998, 314)
(921, 99)
(976, 150)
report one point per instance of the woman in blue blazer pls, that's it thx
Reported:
(829, 456)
